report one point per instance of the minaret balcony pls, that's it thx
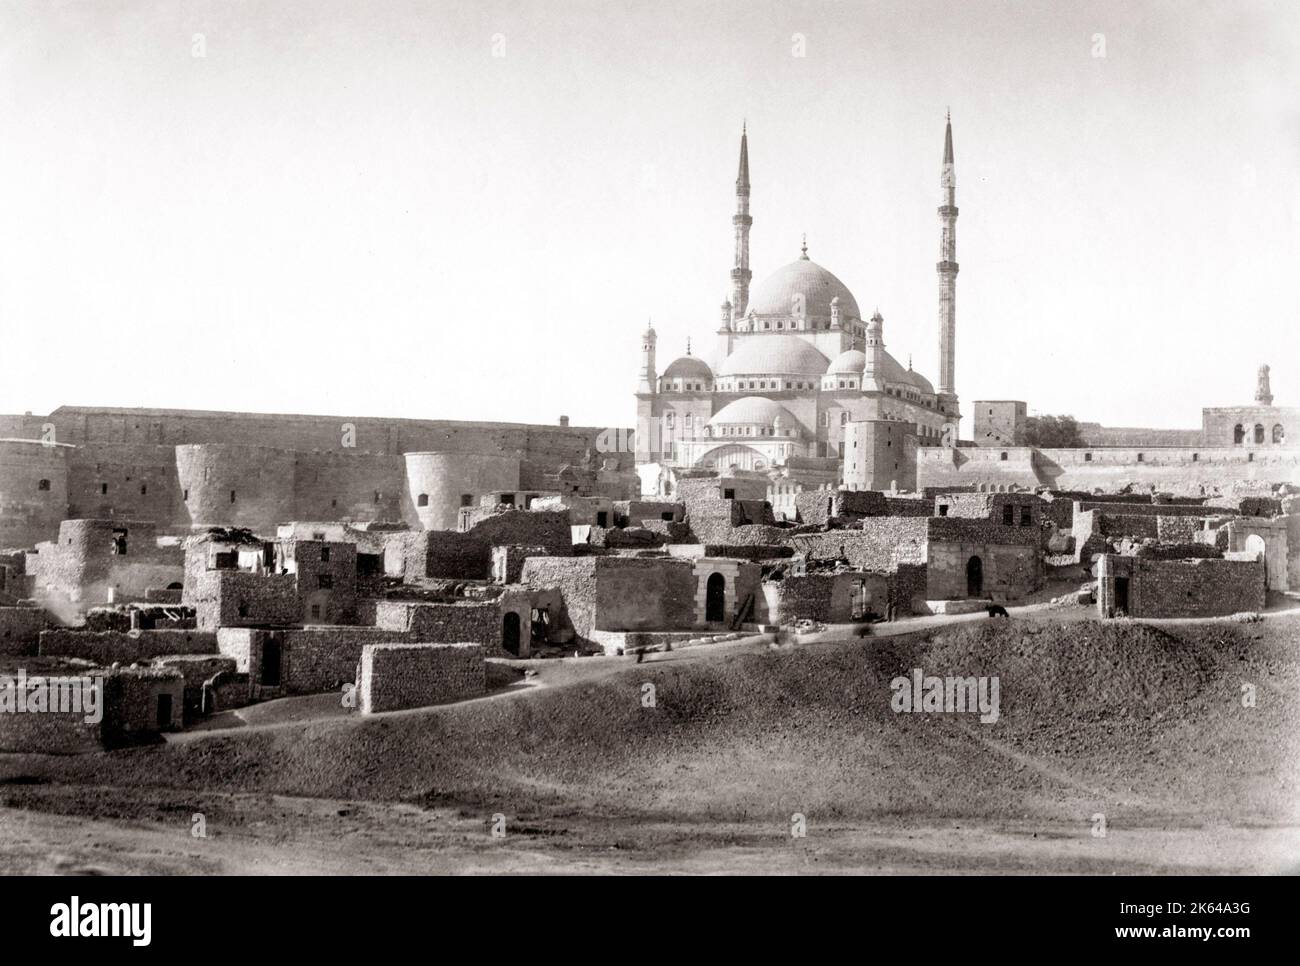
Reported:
(946, 267)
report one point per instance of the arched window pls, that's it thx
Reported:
(1238, 434)
(422, 500)
(1259, 432)
(1279, 434)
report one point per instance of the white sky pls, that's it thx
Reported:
(355, 208)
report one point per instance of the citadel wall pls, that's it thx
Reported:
(1179, 470)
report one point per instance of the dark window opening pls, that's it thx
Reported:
(728, 494)
(602, 518)
(943, 509)
(1008, 514)
(144, 489)
(103, 489)
(325, 581)
(43, 485)
(1238, 434)
(422, 500)
(1259, 432)
(119, 542)
(666, 515)
(1003, 456)
(1026, 517)
(232, 496)
(325, 554)
(164, 711)
(1087, 457)
(508, 499)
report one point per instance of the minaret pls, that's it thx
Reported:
(1263, 392)
(740, 222)
(947, 273)
(649, 378)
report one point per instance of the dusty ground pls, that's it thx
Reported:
(1140, 723)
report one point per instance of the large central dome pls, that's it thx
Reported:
(779, 294)
(774, 355)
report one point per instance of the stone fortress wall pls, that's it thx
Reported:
(182, 468)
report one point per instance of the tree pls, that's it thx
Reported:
(1052, 432)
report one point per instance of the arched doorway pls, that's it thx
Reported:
(715, 598)
(1255, 544)
(974, 577)
(510, 633)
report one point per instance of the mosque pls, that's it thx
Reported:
(805, 392)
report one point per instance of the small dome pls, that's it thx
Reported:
(778, 294)
(688, 367)
(852, 361)
(774, 354)
(752, 411)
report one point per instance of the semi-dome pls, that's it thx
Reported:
(688, 367)
(851, 361)
(778, 293)
(752, 411)
(773, 354)
(921, 383)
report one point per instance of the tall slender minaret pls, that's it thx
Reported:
(948, 270)
(1263, 392)
(740, 222)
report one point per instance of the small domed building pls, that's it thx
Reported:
(802, 387)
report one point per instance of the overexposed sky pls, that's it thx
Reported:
(469, 210)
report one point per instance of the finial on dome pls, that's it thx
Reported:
(804, 247)
(909, 362)
(688, 345)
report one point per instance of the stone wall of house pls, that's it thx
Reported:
(108, 647)
(53, 731)
(396, 676)
(142, 700)
(1205, 587)
(881, 543)
(1178, 529)
(1010, 559)
(312, 660)
(618, 593)
(235, 598)
(20, 629)
(195, 671)
(826, 597)
(446, 622)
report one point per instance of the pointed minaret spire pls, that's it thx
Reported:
(947, 268)
(688, 345)
(803, 248)
(740, 223)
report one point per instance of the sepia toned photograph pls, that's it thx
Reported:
(575, 438)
